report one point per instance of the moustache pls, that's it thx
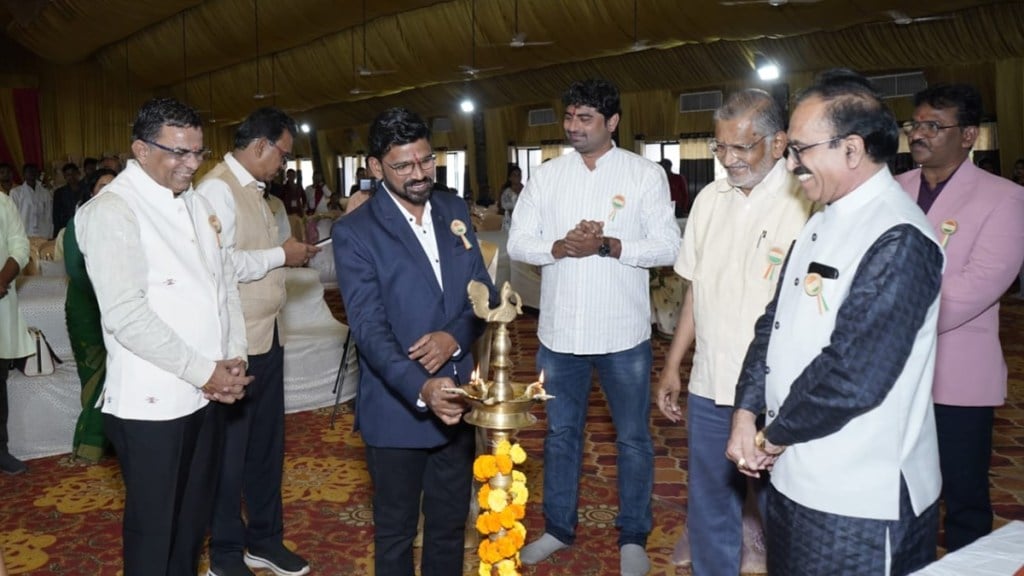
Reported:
(800, 171)
(420, 181)
(919, 142)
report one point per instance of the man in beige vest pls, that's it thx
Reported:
(254, 429)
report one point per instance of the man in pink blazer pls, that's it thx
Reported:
(979, 218)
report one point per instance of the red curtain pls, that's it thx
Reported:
(26, 109)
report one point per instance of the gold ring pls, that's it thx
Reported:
(741, 463)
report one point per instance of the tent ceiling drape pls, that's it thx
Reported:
(206, 52)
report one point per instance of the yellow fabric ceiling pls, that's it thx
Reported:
(206, 52)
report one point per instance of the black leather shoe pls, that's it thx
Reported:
(11, 465)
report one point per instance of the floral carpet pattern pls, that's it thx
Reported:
(63, 518)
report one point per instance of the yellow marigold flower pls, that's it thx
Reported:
(483, 495)
(518, 476)
(484, 467)
(507, 568)
(504, 463)
(520, 494)
(502, 448)
(485, 569)
(517, 453)
(519, 529)
(497, 500)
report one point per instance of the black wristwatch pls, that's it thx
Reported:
(604, 249)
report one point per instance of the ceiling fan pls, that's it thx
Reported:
(260, 95)
(364, 70)
(212, 119)
(357, 72)
(768, 2)
(638, 44)
(519, 38)
(901, 18)
(471, 71)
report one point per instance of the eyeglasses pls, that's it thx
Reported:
(181, 154)
(795, 150)
(927, 128)
(738, 150)
(286, 157)
(406, 168)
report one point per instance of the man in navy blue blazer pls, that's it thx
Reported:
(404, 260)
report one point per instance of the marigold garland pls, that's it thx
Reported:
(501, 509)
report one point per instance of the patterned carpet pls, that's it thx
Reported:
(62, 518)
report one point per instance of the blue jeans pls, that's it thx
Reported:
(626, 380)
(714, 517)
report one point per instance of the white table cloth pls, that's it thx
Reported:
(44, 409)
(1001, 553)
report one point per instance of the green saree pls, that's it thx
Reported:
(83, 319)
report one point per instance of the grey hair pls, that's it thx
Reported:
(767, 118)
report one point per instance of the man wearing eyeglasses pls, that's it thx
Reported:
(979, 217)
(404, 261)
(174, 335)
(739, 229)
(253, 460)
(841, 361)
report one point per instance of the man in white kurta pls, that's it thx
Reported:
(843, 358)
(35, 204)
(174, 335)
(14, 338)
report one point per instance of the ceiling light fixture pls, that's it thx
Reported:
(305, 128)
(467, 105)
(766, 69)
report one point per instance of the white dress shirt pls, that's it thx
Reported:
(168, 299)
(249, 265)
(424, 232)
(595, 305)
(36, 208)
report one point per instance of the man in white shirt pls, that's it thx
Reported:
(174, 335)
(35, 204)
(739, 230)
(14, 339)
(595, 220)
(842, 360)
(253, 461)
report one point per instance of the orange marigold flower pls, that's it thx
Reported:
(483, 495)
(504, 463)
(507, 547)
(481, 523)
(493, 522)
(484, 467)
(508, 517)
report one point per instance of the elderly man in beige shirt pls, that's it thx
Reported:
(736, 238)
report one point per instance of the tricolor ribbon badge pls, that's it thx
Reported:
(618, 203)
(948, 228)
(813, 286)
(459, 229)
(775, 258)
(215, 224)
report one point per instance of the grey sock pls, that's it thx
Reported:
(633, 560)
(540, 549)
